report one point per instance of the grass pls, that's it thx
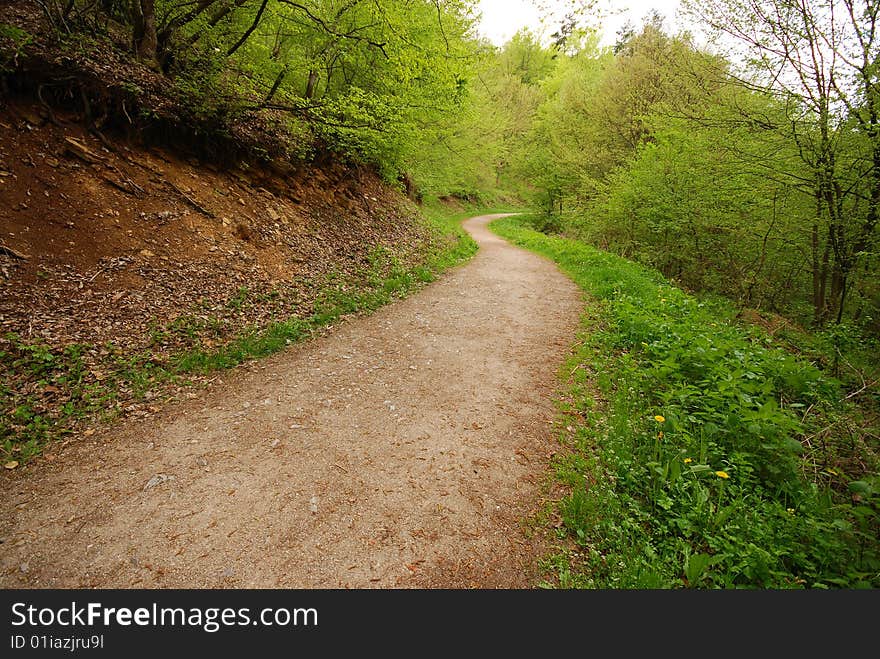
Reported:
(690, 459)
(48, 394)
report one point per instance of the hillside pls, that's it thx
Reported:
(117, 239)
(126, 248)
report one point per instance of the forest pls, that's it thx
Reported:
(754, 175)
(715, 191)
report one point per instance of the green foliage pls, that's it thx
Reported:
(374, 81)
(694, 471)
(658, 150)
(12, 43)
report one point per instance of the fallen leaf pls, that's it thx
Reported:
(12, 464)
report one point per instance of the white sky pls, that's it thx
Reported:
(503, 18)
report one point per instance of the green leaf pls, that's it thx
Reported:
(861, 487)
(695, 567)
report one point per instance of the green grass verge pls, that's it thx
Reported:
(691, 462)
(61, 389)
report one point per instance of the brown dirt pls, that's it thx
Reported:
(402, 449)
(108, 240)
(138, 253)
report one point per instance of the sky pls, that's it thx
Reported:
(502, 18)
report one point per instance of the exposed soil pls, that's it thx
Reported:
(402, 449)
(137, 236)
(130, 251)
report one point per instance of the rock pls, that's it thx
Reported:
(229, 572)
(158, 479)
(146, 253)
(12, 464)
(313, 504)
(202, 461)
(24, 568)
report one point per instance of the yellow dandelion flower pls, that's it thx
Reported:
(687, 461)
(722, 474)
(659, 418)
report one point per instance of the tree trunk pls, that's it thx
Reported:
(823, 284)
(311, 84)
(817, 297)
(278, 80)
(238, 44)
(145, 40)
(221, 13)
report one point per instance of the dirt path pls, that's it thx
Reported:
(401, 449)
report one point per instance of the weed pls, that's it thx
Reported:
(698, 471)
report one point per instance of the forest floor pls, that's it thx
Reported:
(400, 449)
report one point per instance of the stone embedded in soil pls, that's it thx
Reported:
(158, 479)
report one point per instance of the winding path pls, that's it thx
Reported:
(400, 449)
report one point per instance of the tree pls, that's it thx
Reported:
(820, 57)
(144, 33)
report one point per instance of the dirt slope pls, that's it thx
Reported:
(400, 450)
(109, 234)
(135, 254)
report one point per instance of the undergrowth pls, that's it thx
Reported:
(692, 458)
